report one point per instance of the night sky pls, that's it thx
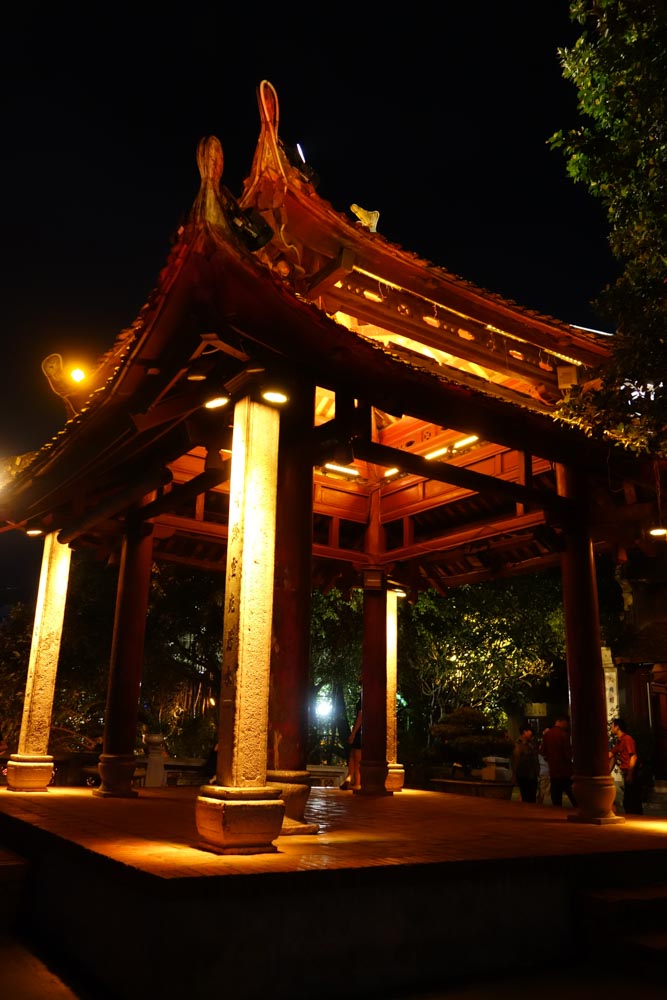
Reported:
(440, 126)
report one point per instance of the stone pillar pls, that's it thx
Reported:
(118, 761)
(242, 815)
(593, 785)
(395, 771)
(31, 768)
(374, 687)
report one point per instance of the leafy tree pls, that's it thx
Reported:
(83, 665)
(15, 638)
(619, 67)
(464, 736)
(85, 649)
(182, 657)
(335, 650)
(181, 678)
(483, 647)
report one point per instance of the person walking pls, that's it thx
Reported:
(623, 754)
(543, 779)
(353, 778)
(525, 765)
(557, 752)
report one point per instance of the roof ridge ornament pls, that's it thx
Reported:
(368, 219)
(211, 161)
(215, 204)
(269, 157)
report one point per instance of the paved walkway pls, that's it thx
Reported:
(155, 834)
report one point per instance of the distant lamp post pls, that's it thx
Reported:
(64, 383)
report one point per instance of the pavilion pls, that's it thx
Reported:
(379, 422)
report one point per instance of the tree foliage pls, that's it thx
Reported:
(619, 152)
(483, 647)
(182, 657)
(15, 636)
(335, 657)
(85, 649)
(464, 736)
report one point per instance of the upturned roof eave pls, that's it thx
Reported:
(307, 218)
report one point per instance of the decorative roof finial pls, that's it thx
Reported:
(366, 218)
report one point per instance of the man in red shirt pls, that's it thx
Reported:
(624, 754)
(557, 752)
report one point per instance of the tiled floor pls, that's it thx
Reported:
(156, 833)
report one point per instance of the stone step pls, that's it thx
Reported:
(632, 920)
(646, 951)
(13, 875)
(640, 906)
(652, 942)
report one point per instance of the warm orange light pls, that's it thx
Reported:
(274, 396)
(347, 470)
(216, 402)
(77, 374)
(465, 441)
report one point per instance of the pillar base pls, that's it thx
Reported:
(595, 796)
(116, 771)
(239, 820)
(395, 777)
(373, 778)
(294, 791)
(29, 772)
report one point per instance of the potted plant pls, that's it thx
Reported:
(465, 736)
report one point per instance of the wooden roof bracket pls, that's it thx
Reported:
(331, 272)
(115, 504)
(205, 481)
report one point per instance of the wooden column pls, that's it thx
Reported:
(117, 762)
(395, 771)
(290, 649)
(374, 768)
(243, 815)
(290, 645)
(31, 768)
(593, 785)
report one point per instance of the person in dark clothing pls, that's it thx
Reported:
(623, 754)
(525, 765)
(557, 752)
(353, 778)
